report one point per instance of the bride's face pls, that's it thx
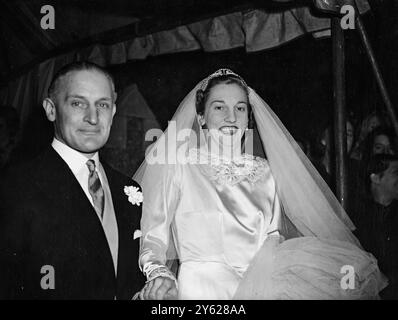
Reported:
(226, 109)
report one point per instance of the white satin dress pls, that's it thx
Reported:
(220, 216)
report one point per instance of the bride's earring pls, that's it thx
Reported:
(201, 120)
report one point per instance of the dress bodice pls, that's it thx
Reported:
(219, 211)
(225, 210)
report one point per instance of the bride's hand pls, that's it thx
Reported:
(160, 288)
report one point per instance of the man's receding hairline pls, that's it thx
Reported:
(66, 77)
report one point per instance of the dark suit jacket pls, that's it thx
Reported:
(46, 219)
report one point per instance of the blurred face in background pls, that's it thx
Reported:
(382, 145)
(374, 122)
(326, 138)
(389, 181)
(350, 136)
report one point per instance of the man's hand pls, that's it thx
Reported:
(160, 288)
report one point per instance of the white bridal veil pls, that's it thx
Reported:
(315, 219)
(306, 199)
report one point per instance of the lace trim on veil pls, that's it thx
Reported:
(230, 171)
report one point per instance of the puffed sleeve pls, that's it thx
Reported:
(280, 224)
(161, 198)
(275, 227)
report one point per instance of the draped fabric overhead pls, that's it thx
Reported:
(29, 90)
(254, 30)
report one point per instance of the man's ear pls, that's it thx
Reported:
(113, 110)
(375, 178)
(49, 108)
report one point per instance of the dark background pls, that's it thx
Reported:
(295, 78)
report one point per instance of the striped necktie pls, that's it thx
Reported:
(95, 188)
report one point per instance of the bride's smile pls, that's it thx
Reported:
(229, 130)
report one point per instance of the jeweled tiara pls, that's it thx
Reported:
(219, 73)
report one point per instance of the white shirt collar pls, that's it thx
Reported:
(74, 159)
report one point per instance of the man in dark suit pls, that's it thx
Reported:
(67, 229)
(375, 215)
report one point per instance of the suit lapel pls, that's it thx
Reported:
(63, 190)
(123, 221)
(128, 218)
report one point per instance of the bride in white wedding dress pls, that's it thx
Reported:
(243, 226)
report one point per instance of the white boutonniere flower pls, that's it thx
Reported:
(137, 234)
(135, 196)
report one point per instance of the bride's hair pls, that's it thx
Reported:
(203, 94)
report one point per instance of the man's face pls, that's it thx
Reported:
(389, 181)
(374, 122)
(83, 110)
(381, 145)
